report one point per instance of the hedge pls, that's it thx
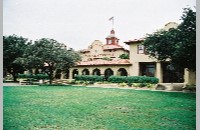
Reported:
(33, 76)
(93, 78)
(133, 79)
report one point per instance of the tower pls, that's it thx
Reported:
(112, 39)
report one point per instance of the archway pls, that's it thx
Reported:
(74, 73)
(85, 72)
(66, 76)
(58, 74)
(108, 72)
(96, 72)
(122, 72)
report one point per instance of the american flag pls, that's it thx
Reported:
(112, 18)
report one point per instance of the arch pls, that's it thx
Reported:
(85, 72)
(96, 72)
(108, 72)
(37, 71)
(74, 73)
(66, 76)
(122, 72)
(58, 74)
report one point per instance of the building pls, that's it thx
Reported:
(110, 50)
(139, 64)
(102, 59)
(143, 65)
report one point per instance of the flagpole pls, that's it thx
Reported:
(112, 18)
(113, 22)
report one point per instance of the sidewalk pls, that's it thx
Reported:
(16, 84)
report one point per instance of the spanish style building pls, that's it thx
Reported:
(140, 64)
(102, 59)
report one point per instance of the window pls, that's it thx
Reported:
(141, 49)
(109, 41)
(148, 70)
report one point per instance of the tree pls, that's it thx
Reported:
(49, 55)
(13, 47)
(177, 44)
(124, 56)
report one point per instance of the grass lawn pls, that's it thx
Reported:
(82, 108)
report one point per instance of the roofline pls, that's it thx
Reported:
(134, 41)
(128, 64)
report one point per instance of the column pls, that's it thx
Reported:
(70, 73)
(159, 73)
(189, 77)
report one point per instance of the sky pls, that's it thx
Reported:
(77, 23)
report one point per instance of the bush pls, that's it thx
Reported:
(41, 76)
(148, 85)
(133, 79)
(122, 84)
(135, 84)
(190, 88)
(33, 76)
(142, 85)
(93, 78)
(117, 79)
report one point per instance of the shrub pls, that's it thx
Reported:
(190, 88)
(133, 79)
(93, 78)
(41, 76)
(122, 84)
(33, 76)
(135, 84)
(117, 79)
(148, 85)
(142, 85)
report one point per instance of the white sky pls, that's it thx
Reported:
(77, 23)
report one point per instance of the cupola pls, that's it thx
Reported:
(112, 39)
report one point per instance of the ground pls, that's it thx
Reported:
(74, 108)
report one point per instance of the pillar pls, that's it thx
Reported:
(159, 73)
(70, 73)
(189, 77)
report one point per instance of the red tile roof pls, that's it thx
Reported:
(134, 41)
(113, 47)
(104, 62)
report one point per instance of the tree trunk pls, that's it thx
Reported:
(14, 77)
(50, 74)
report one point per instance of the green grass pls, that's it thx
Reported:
(82, 108)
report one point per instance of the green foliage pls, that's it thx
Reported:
(133, 79)
(177, 44)
(122, 84)
(135, 84)
(124, 56)
(13, 47)
(191, 88)
(148, 85)
(117, 79)
(93, 78)
(48, 54)
(33, 76)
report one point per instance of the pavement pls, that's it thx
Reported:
(16, 84)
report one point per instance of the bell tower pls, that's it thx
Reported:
(112, 39)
